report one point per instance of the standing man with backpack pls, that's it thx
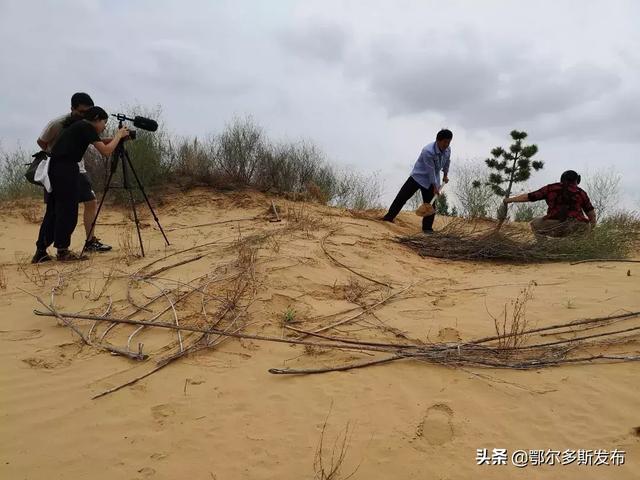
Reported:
(80, 103)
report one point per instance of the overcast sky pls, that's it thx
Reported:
(370, 82)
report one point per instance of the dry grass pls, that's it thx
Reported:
(274, 243)
(314, 350)
(96, 289)
(328, 463)
(300, 217)
(511, 327)
(471, 240)
(31, 213)
(237, 294)
(35, 273)
(317, 194)
(355, 291)
(143, 213)
(129, 248)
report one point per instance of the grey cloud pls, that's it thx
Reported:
(483, 86)
(369, 81)
(480, 90)
(323, 41)
(615, 119)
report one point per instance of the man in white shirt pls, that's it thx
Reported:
(80, 103)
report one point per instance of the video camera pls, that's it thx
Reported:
(138, 121)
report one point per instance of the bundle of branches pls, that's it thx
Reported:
(511, 347)
(471, 240)
(514, 346)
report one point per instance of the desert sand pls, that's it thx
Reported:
(219, 414)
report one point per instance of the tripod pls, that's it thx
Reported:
(120, 154)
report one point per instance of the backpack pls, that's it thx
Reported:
(30, 174)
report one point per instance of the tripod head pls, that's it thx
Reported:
(138, 121)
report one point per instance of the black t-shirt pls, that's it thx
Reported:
(73, 142)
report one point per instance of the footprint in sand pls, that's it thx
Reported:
(60, 356)
(147, 472)
(17, 335)
(449, 334)
(162, 413)
(436, 426)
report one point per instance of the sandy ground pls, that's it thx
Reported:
(219, 414)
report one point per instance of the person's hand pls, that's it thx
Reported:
(505, 201)
(436, 190)
(123, 132)
(445, 179)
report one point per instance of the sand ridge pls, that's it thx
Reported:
(220, 414)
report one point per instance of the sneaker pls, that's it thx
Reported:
(41, 256)
(428, 231)
(95, 245)
(69, 256)
(385, 219)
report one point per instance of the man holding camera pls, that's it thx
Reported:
(80, 103)
(61, 215)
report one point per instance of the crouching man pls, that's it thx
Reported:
(569, 209)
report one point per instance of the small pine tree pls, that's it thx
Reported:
(454, 211)
(509, 167)
(442, 205)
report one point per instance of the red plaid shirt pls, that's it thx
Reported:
(560, 209)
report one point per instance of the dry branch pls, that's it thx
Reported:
(339, 263)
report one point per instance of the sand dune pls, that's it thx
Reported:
(219, 414)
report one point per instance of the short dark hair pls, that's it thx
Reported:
(444, 134)
(81, 98)
(570, 176)
(95, 113)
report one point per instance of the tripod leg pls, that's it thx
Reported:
(133, 203)
(144, 194)
(95, 219)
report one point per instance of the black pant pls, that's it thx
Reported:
(407, 191)
(61, 216)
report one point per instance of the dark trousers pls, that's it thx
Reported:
(61, 216)
(407, 191)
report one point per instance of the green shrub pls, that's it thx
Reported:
(13, 166)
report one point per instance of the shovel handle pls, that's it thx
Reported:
(436, 195)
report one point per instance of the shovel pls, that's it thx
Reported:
(427, 209)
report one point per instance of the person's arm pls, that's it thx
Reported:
(107, 149)
(524, 197)
(588, 208)
(49, 134)
(429, 162)
(536, 196)
(445, 168)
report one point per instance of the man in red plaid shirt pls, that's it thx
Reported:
(569, 208)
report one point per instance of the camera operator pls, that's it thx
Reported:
(80, 103)
(61, 216)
